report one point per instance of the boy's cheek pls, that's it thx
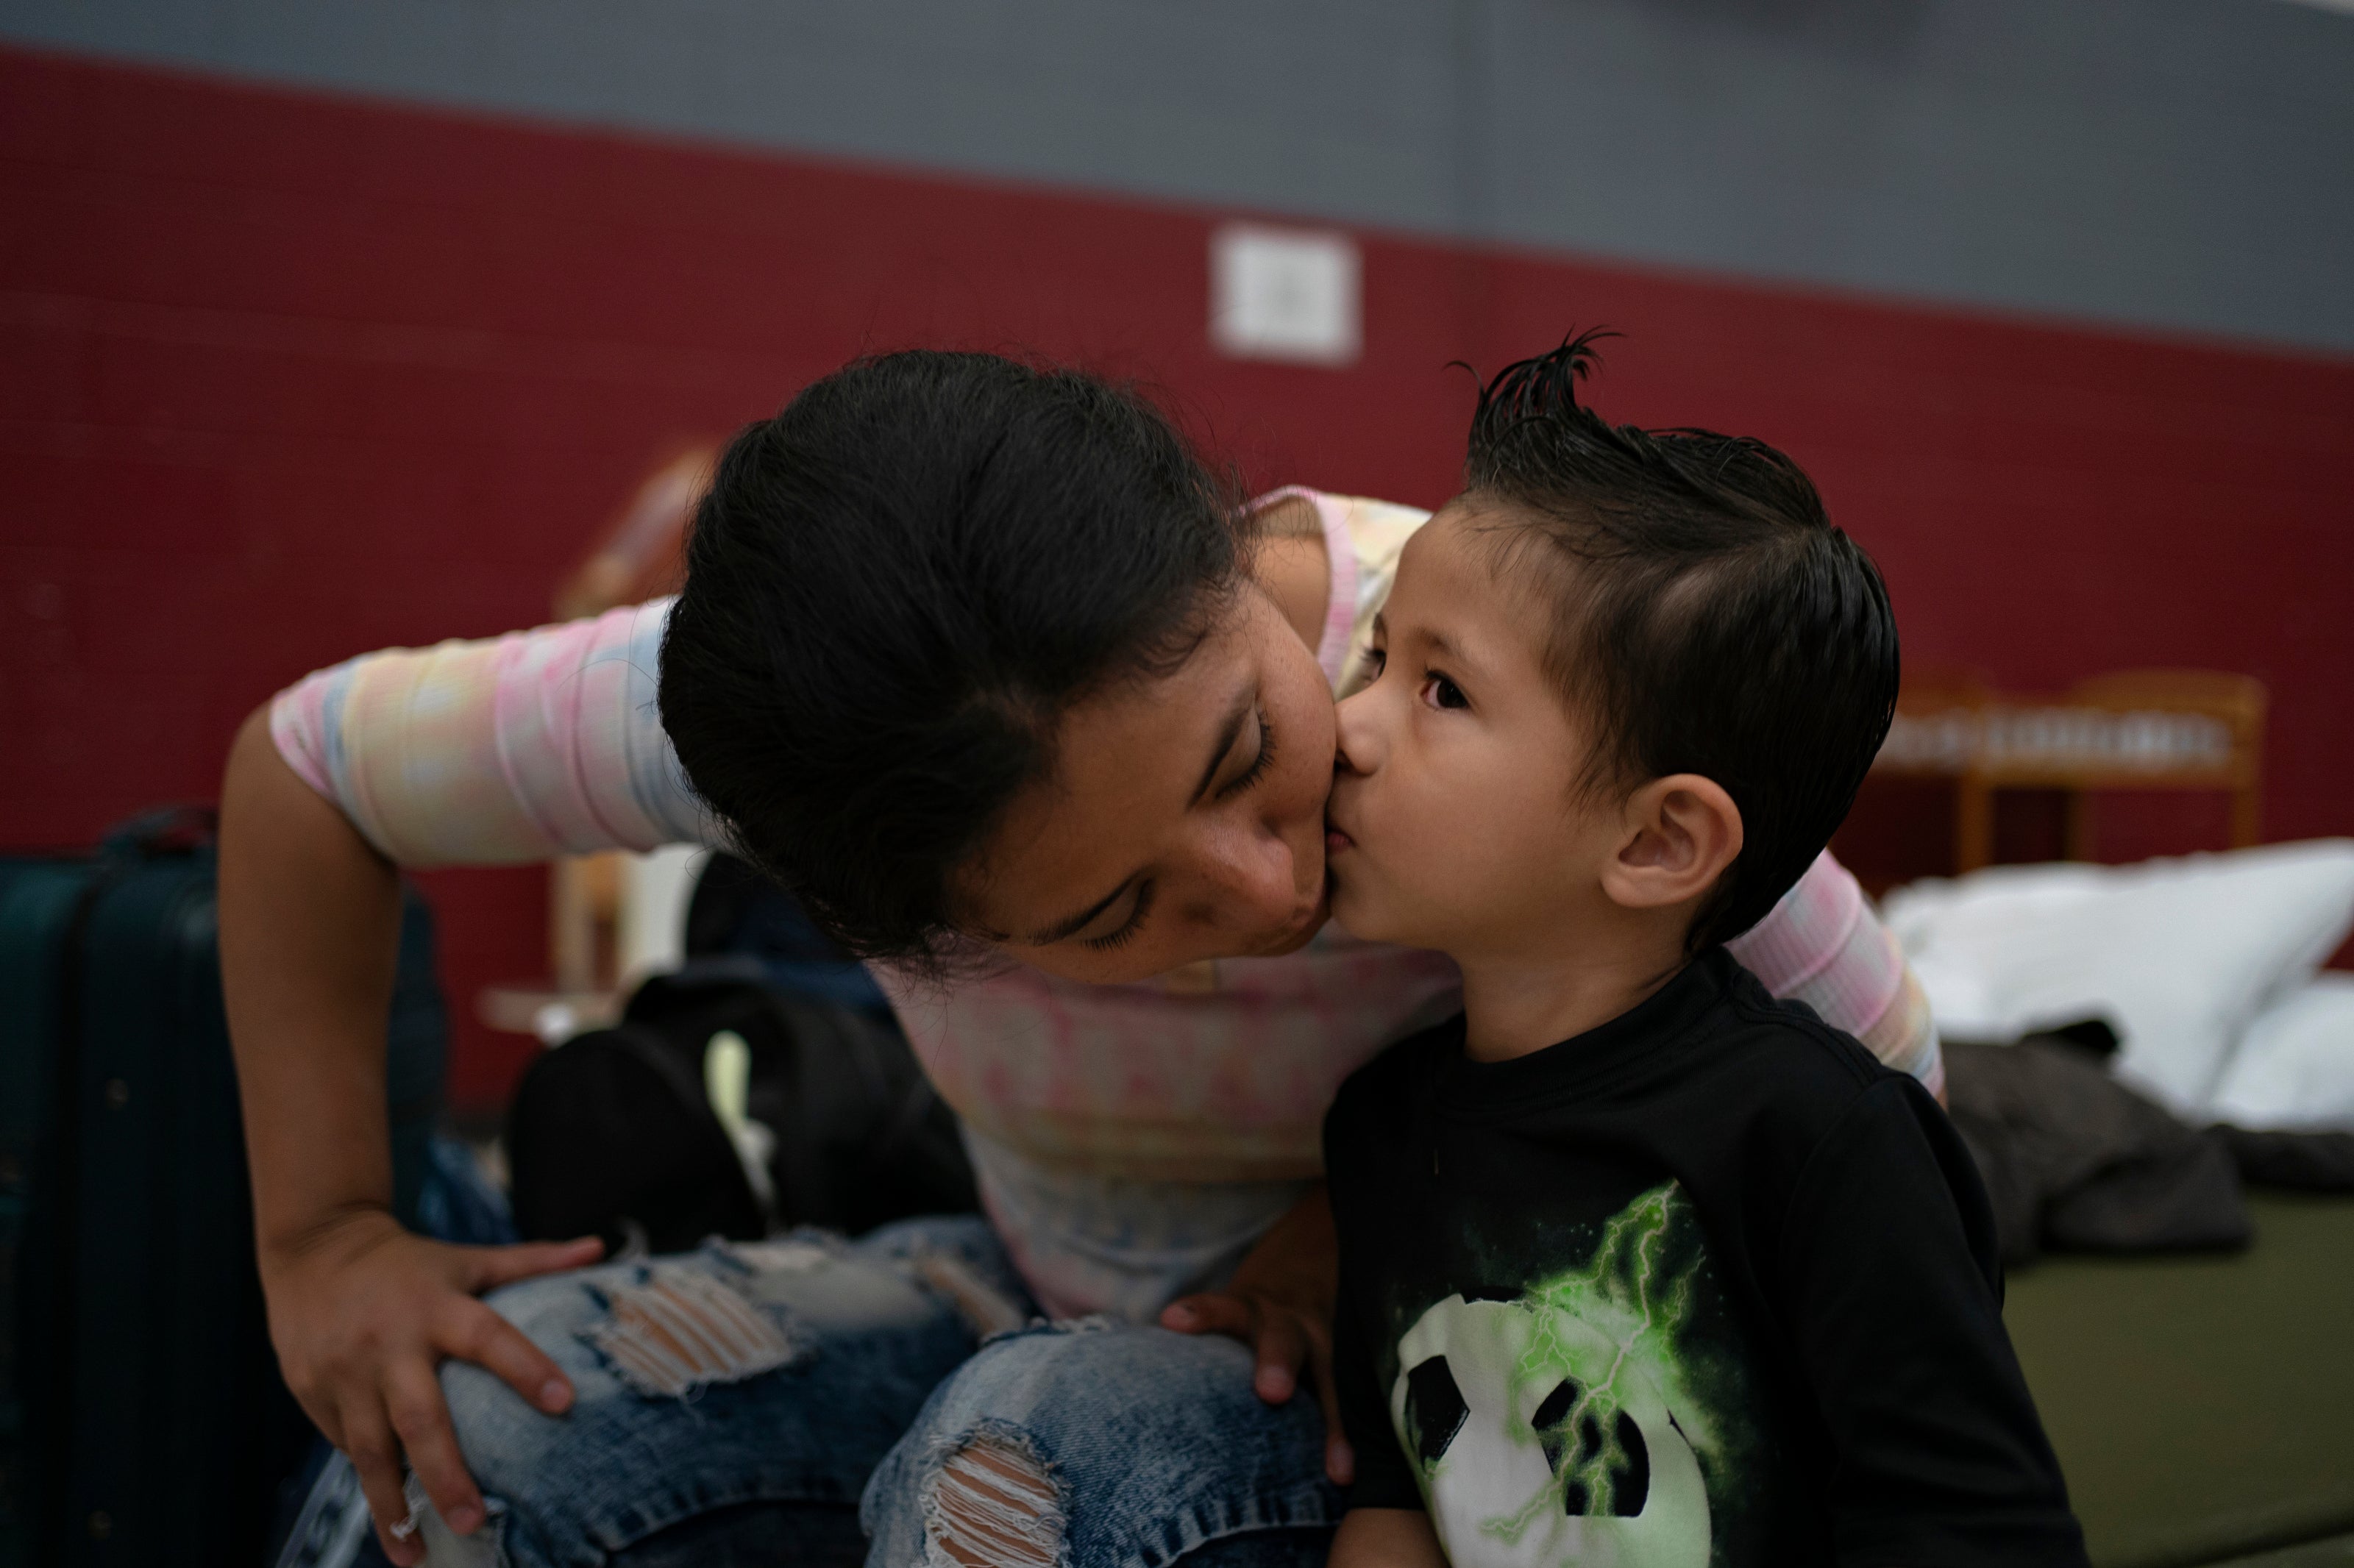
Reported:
(1372, 906)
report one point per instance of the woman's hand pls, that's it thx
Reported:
(1386, 1538)
(1280, 1303)
(363, 1314)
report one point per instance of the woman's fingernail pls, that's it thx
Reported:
(554, 1395)
(465, 1519)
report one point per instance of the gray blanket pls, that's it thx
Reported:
(2075, 1162)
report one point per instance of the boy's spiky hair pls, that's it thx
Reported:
(1703, 616)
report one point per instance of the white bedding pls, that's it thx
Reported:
(2181, 955)
(2295, 1068)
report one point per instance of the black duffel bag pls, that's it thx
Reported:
(615, 1132)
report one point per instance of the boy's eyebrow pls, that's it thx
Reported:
(1438, 641)
(1454, 653)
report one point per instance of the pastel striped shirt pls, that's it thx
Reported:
(1131, 1141)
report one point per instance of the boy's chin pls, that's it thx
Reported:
(1364, 918)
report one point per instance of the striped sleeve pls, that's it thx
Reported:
(1822, 944)
(508, 750)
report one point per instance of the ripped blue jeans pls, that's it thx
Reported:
(894, 1399)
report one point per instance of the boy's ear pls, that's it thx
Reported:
(1683, 831)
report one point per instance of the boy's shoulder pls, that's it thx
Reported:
(1815, 1057)
(1722, 1062)
(1794, 1078)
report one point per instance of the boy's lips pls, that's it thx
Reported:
(1336, 840)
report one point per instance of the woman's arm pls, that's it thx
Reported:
(499, 752)
(360, 1311)
(1823, 946)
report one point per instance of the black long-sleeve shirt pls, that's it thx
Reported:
(1704, 1284)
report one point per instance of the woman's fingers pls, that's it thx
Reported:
(488, 1267)
(471, 1331)
(421, 1420)
(1339, 1459)
(1213, 1313)
(1282, 1346)
(375, 1453)
(1278, 1334)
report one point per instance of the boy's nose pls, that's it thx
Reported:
(1356, 738)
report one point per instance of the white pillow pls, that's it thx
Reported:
(2294, 1066)
(2180, 955)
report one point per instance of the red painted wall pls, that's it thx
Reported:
(284, 377)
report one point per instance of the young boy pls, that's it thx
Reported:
(1638, 1265)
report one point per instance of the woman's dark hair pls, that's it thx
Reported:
(1705, 615)
(896, 588)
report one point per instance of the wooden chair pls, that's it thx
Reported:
(2232, 761)
(2135, 729)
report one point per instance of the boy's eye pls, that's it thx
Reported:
(1379, 659)
(1442, 693)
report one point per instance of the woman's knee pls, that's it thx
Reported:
(993, 1502)
(1081, 1445)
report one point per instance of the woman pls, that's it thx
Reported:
(984, 664)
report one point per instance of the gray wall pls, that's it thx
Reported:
(2181, 164)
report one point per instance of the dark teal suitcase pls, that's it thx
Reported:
(141, 1417)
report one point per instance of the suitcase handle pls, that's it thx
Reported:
(188, 829)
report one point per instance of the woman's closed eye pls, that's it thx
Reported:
(1128, 928)
(1241, 782)
(1259, 764)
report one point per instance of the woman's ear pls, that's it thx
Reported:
(1683, 831)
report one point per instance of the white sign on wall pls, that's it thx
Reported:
(1285, 294)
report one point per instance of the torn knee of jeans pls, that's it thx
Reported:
(678, 1330)
(992, 1502)
(803, 1252)
(985, 1308)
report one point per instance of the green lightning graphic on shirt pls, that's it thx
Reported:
(1628, 1306)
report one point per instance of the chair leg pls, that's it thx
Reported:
(2080, 824)
(1972, 824)
(2247, 817)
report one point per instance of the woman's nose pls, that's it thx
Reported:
(1251, 874)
